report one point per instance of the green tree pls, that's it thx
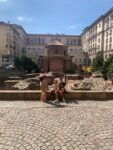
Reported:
(17, 62)
(110, 71)
(107, 69)
(25, 63)
(98, 61)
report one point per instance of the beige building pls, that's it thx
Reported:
(13, 42)
(98, 36)
(108, 34)
(23, 41)
(9, 43)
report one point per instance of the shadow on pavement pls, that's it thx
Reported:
(61, 103)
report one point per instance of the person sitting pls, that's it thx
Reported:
(61, 89)
(54, 90)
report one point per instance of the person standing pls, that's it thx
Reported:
(43, 87)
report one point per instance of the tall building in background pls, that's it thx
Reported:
(36, 48)
(99, 36)
(23, 41)
(14, 41)
(9, 43)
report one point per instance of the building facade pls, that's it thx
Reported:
(9, 43)
(98, 36)
(38, 42)
(14, 41)
(57, 59)
(23, 41)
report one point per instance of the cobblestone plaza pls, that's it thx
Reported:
(77, 125)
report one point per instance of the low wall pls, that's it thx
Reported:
(35, 95)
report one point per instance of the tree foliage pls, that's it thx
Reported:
(107, 70)
(98, 61)
(25, 63)
(105, 67)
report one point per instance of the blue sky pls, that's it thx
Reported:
(53, 16)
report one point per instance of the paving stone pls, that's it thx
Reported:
(32, 125)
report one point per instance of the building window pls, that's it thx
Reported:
(80, 60)
(99, 40)
(110, 32)
(39, 41)
(106, 40)
(110, 39)
(106, 34)
(43, 41)
(98, 46)
(106, 47)
(99, 24)
(75, 60)
(5, 59)
(110, 46)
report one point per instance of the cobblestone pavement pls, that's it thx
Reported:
(79, 125)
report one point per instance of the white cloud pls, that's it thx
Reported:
(3, 0)
(71, 27)
(20, 18)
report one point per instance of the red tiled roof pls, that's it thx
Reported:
(56, 43)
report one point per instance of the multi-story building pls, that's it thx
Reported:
(98, 36)
(108, 34)
(23, 38)
(38, 42)
(9, 43)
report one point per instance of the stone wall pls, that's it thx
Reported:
(74, 95)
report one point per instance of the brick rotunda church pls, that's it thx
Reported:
(56, 59)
